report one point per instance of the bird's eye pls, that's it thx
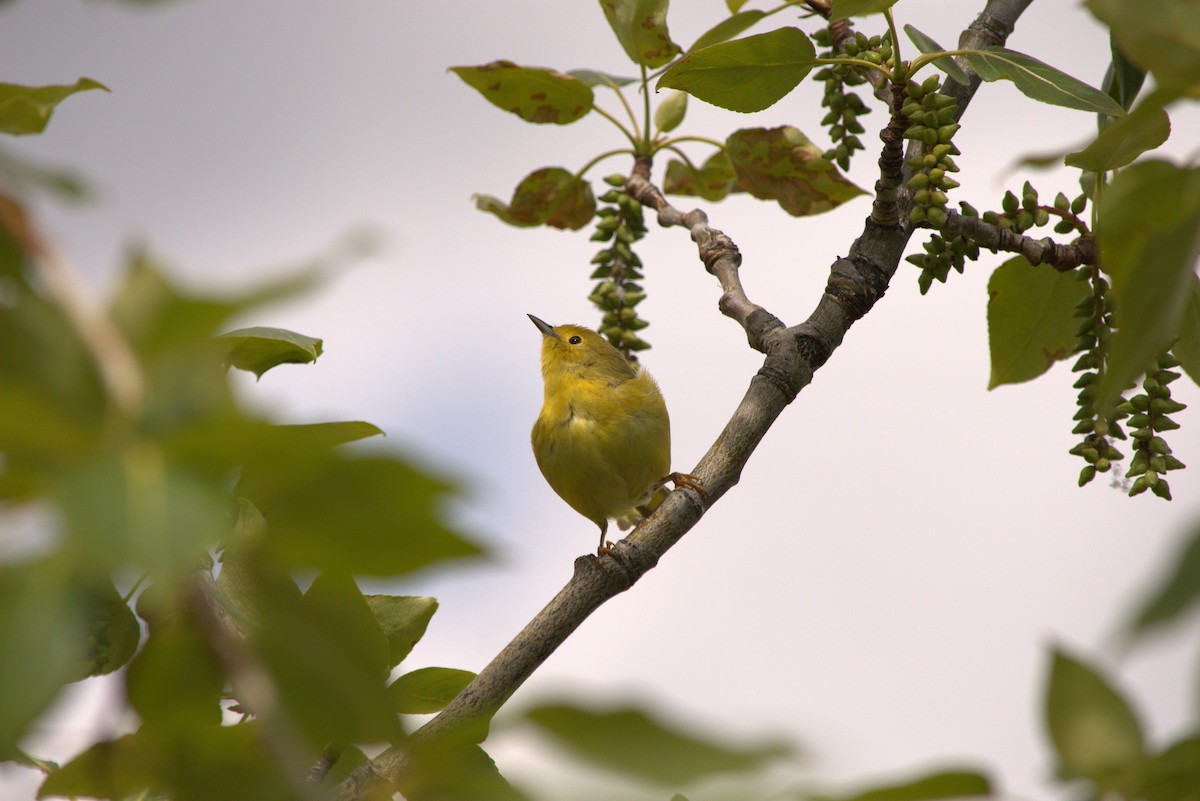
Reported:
(575, 340)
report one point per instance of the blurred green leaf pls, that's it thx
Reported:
(1174, 775)
(1122, 80)
(1095, 732)
(748, 74)
(1122, 141)
(1162, 36)
(258, 349)
(248, 581)
(136, 509)
(1039, 81)
(403, 619)
(631, 742)
(1030, 319)
(426, 690)
(43, 622)
(372, 515)
(1187, 347)
(670, 112)
(713, 181)
(1149, 235)
(844, 9)
(535, 94)
(781, 164)
(27, 109)
(549, 196)
(598, 78)
(1176, 592)
(176, 681)
(928, 46)
(225, 762)
(939, 784)
(452, 771)
(113, 631)
(641, 28)
(25, 176)
(727, 28)
(328, 657)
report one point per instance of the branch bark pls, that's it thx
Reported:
(792, 355)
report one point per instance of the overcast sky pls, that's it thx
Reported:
(883, 583)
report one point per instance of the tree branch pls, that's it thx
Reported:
(855, 283)
(1037, 251)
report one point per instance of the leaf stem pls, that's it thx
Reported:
(607, 154)
(645, 109)
(855, 62)
(606, 115)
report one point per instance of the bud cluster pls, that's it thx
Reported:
(1095, 327)
(1148, 418)
(618, 269)
(931, 122)
(845, 107)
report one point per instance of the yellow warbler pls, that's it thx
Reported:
(603, 438)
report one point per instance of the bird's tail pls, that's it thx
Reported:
(642, 511)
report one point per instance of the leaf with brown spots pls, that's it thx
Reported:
(550, 196)
(781, 164)
(535, 94)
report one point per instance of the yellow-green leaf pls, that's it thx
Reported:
(535, 94)
(1095, 732)
(641, 28)
(940, 784)
(258, 349)
(844, 9)
(781, 164)
(426, 690)
(1039, 81)
(27, 109)
(745, 75)
(1124, 139)
(1030, 322)
(1162, 36)
(712, 181)
(549, 196)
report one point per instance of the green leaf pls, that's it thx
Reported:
(928, 46)
(1124, 139)
(403, 619)
(781, 164)
(713, 181)
(427, 690)
(113, 631)
(727, 28)
(844, 9)
(258, 349)
(25, 176)
(225, 762)
(176, 681)
(535, 94)
(598, 78)
(641, 28)
(940, 784)
(328, 657)
(1095, 733)
(1149, 236)
(454, 770)
(549, 196)
(631, 742)
(1174, 774)
(1030, 322)
(670, 112)
(745, 75)
(1039, 81)
(1122, 80)
(248, 582)
(386, 513)
(1162, 36)
(43, 633)
(1175, 593)
(135, 509)
(27, 109)
(1187, 347)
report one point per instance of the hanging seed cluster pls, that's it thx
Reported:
(941, 254)
(1095, 327)
(618, 268)
(1148, 412)
(931, 122)
(845, 106)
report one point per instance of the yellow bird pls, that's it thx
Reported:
(603, 438)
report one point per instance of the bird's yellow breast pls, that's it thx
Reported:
(603, 445)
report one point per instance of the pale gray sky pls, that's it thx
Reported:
(882, 584)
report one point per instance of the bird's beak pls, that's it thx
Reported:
(543, 326)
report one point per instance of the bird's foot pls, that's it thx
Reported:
(687, 480)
